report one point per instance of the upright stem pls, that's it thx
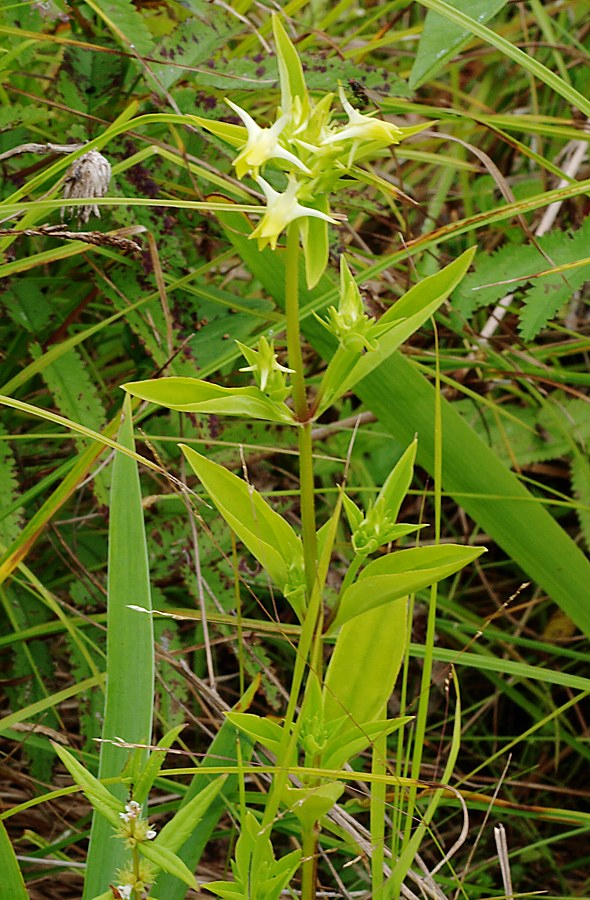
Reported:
(307, 496)
(308, 525)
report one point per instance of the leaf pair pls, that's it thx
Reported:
(160, 852)
(258, 875)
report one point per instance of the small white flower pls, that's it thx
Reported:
(262, 145)
(125, 891)
(150, 835)
(281, 210)
(132, 811)
(88, 176)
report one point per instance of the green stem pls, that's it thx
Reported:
(378, 811)
(292, 318)
(308, 528)
(307, 496)
(310, 863)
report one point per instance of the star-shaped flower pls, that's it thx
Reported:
(363, 128)
(281, 210)
(262, 145)
(266, 367)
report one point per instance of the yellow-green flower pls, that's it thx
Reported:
(363, 128)
(262, 144)
(266, 368)
(281, 210)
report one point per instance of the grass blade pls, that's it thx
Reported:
(130, 651)
(487, 490)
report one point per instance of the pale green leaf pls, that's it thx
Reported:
(290, 70)
(193, 395)
(345, 746)
(168, 861)
(180, 827)
(264, 532)
(347, 367)
(402, 573)
(264, 731)
(365, 662)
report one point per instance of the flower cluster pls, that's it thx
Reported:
(313, 149)
(134, 829)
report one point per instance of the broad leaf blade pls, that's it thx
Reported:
(398, 574)
(365, 663)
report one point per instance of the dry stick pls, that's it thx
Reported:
(578, 150)
(40, 148)
(502, 847)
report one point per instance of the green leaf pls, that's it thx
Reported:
(365, 662)
(192, 395)
(344, 746)
(125, 22)
(168, 861)
(354, 513)
(143, 783)
(290, 70)
(309, 804)
(398, 482)
(264, 532)
(314, 238)
(129, 699)
(402, 573)
(96, 793)
(13, 885)
(184, 822)
(442, 39)
(264, 731)
(347, 367)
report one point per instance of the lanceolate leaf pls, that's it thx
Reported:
(192, 395)
(412, 310)
(168, 861)
(402, 573)
(266, 534)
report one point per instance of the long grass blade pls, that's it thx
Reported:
(130, 652)
(488, 491)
